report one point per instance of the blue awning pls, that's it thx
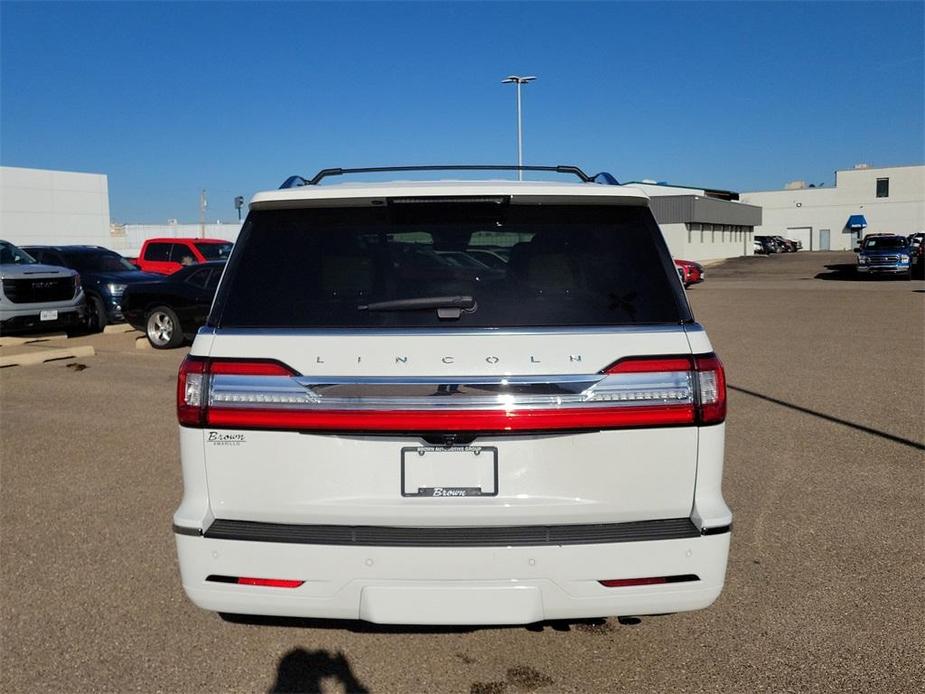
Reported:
(856, 221)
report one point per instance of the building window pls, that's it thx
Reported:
(883, 187)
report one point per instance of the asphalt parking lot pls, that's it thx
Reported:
(824, 472)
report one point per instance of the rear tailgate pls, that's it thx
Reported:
(355, 477)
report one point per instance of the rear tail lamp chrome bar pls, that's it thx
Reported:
(632, 392)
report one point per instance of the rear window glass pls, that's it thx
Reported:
(549, 265)
(215, 251)
(158, 252)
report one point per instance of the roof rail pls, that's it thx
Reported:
(297, 181)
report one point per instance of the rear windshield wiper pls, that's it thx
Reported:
(447, 306)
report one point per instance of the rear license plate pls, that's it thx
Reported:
(435, 471)
(48, 315)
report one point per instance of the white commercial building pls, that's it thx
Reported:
(702, 223)
(38, 206)
(864, 200)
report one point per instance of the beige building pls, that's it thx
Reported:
(864, 200)
(702, 223)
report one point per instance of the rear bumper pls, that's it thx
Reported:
(453, 585)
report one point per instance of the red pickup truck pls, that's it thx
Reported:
(167, 255)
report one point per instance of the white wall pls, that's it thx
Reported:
(128, 238)
(813, 209)
(38, 206)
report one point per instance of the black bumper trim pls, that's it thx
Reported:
(182, 530)
(718, 530)
(493, 536)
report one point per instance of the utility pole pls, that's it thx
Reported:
(518, 80)
(203, 204)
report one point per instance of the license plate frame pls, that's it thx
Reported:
(446, 490)
(50, 314)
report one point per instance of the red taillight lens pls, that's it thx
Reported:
(640, 365)
(249, 368)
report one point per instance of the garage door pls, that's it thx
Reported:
(803, 235)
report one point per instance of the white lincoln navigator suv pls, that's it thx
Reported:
(451, 402)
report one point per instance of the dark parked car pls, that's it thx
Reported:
(171, 309)
(104, 274)
(768, 244)
(917, 253)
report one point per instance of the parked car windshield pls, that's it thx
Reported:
(98, 262)
(569, 265)
(215, 251)
(13, 255)
(884, 242)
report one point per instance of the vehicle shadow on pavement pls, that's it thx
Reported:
(829, 418)
(361, 627)
(841, 271)
(303, 671)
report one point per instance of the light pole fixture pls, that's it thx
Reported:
(519, 80)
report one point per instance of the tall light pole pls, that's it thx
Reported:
(519, 80)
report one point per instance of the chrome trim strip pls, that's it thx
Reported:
(434, 393)
(411, 332)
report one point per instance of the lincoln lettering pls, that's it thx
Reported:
(448, 359)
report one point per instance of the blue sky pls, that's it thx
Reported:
(168, 98)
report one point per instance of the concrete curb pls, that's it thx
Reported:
(13, 341)
(142, 343)
(45, 355)
(118, 328)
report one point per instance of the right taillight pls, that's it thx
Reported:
(711, 389)
(705, 371)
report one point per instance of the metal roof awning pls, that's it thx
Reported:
(856, 221)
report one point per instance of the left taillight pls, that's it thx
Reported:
(193, 382)
(191, 395)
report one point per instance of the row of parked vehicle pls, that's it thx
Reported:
(166, 291)
(768, 245)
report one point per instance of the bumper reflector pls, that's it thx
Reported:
(649, 581)
(248, 581)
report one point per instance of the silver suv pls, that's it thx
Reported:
(37, 296)
(377, 424)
